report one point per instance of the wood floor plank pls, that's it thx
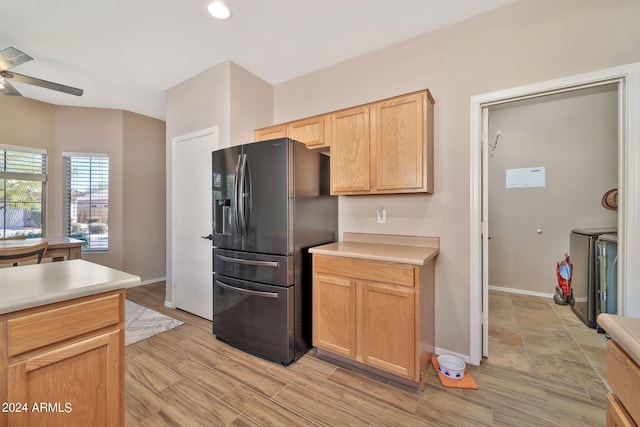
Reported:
(309, 380)
(153, 374)
(319, 409)
(261, 409)
(380, 391)
(380, 413)
(450, 406)
(204, 408)
(251, 377)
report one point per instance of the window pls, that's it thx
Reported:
(86, 199)
(23, 176)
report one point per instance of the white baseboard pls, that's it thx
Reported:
(441, 351)
(169, 304)
(156, 280)
(520, 291)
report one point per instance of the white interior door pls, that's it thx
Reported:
(192, 219)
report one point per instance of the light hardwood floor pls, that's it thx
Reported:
(185, 377)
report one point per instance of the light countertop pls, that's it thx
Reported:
(398, 249)
(625, 331)
(34, 285)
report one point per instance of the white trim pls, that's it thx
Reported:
(440, 351)
(82, 154)
(22, 148)
(519, 291)
(629, 182)
(150, 281)
(169, 304)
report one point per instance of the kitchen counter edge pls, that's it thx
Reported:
(416, 255)
(625, 331)
(36, 285)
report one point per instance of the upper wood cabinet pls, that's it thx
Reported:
(384, 147)
(402, 150)
(310, 131)
(272, 132)
(350, 151)
(394, 156)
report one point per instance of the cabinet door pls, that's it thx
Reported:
(398, 143)
(76, 385)
(388, 329)
(350, 157)
(334, 314)
(617, 416)
(273, 132)
(310, 131)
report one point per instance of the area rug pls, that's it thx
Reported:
(142, 322)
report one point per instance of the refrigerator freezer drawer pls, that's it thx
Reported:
(270, 269)
(254, 317)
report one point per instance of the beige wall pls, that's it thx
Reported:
(91, 130)
(575, 137)
(251, 105)
(143, 197)
(226, 96)
(527, 42)
(29, 123)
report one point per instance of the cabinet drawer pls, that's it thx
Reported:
(38, 329)
(617, 416)
(377, 271)
(623, 375)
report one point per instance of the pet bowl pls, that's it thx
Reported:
(451, 366)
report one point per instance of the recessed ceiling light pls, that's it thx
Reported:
(219, 10)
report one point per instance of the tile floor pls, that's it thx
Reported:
(535, 335)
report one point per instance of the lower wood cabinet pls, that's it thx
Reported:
(376, 314)
(63, 364)
(334, 314)
(623, 376)
(388, 328)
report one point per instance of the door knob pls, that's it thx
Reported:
(209, 237)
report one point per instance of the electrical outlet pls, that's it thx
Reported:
(382, 215)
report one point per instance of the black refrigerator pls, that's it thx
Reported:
(271, 202)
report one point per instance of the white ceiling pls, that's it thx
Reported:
(126, 53)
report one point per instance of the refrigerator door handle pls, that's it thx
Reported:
(247, 291)
(237, 196)
(241, 195)
(248, 261)
(248, 196)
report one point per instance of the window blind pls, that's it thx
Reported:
(23, 176)
(86, 199)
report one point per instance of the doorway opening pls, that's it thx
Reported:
(627, 81)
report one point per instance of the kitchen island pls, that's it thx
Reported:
(373, 303)
(62, 344)
(623, 369)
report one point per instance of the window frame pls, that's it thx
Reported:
(67, 176)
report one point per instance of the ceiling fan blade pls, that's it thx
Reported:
(10, 57)
(7, 89)
(42, 83)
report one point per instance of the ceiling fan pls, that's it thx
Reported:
(9, 58)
